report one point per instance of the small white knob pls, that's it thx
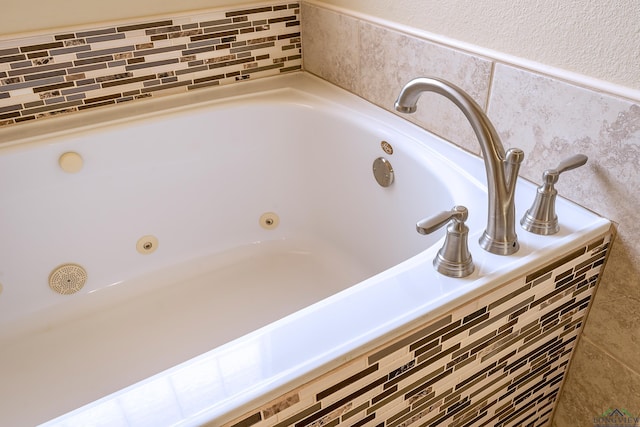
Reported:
(70, 162)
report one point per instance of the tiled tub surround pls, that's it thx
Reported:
(497, 361)
(551, 115)
(70, 71)
(373, 75)
(178, 304)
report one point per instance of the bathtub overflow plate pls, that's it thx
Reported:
(383, 172)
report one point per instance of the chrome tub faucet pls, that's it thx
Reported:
(502, 168)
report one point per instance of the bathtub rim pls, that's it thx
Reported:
(265, 392)
(329, 359)
(38, 131)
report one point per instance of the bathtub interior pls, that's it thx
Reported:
(199, 178)
(199, 181)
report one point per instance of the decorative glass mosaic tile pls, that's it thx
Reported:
(497, 361)
(67, 72)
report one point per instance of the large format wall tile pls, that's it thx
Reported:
(595, 377)
(375, 63)
(552, 120)
(331, 40)
(390, 59)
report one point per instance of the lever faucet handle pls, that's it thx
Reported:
(453, 259)
(550, 176)
(541, 218)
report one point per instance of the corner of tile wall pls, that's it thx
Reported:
(69, 71)
(548, 113)
(378, 73)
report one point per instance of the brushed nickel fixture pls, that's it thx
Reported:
(502, 168)
(454, 258)
(383, 172)
(541, 217)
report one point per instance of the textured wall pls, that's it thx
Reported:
(550, 119)
(19, 16)
(584, 36)
(591, 37)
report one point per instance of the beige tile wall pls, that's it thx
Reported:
(549, 119)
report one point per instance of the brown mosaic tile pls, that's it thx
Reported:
(346, 382)
(125, 81)
(163, 30)
(143, 26)
(281, 19)
(44, 46)
(249, 11)
(290, 36)
(105, 52)
(166, 86)
(517, 379)
(41, 76)
(9, 51)
(9, 115)
(52, 87)
(110, 37)
(152, 64)
(41, 58)
(253, 419)
(276, 407)
(92, 60)
(87, 68)
(219, 29)
(364, 421)
(214, 63)
(150, 51)
(216, 35)
(555, 264)
(300, 415)
(39, 69)
(96, 32)
(68, 50)
(37, 56)
(12, 58)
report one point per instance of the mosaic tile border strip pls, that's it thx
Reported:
(67, 72)
(496, 361)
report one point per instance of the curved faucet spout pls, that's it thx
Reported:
(502, 168)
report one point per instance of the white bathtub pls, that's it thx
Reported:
(226, 312)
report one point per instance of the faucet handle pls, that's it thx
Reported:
(551, 176)
(541, 218)
(453, 259)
